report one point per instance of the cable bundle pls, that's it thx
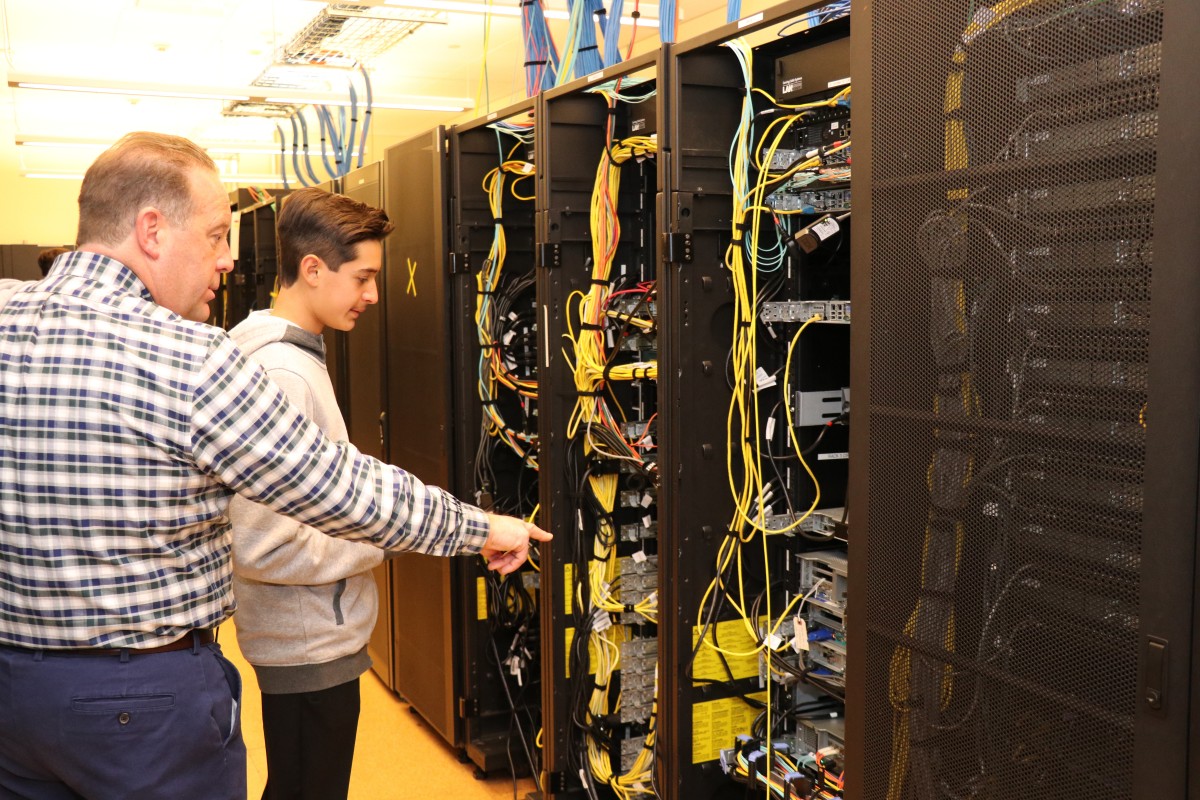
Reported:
(541, 56)
(506, 332)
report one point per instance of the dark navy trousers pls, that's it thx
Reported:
(115, 727)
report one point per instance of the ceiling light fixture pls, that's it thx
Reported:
(462, 7)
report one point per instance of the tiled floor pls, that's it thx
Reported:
(397, 757)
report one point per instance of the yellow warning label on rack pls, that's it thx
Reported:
(570, 637)
(716, 722)
(731, 636)
(569, 585)
(481, 598)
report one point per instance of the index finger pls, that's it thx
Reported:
(537, 533)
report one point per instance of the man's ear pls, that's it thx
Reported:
(148, 228)
(311, 268)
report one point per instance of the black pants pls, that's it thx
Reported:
(310, 742)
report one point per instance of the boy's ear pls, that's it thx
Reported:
(310, 270)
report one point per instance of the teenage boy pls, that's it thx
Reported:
(306, 601)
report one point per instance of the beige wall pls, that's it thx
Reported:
(36, 211)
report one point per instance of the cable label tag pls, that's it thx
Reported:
(825, 228)
(833, 456)
(800, 640)
(770, 436)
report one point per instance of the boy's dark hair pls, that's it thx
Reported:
(326, 225)
(47, 256)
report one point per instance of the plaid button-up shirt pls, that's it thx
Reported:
(124, 430)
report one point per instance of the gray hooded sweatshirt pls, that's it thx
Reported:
(306, 602)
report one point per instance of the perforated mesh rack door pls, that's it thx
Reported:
(1012, 228)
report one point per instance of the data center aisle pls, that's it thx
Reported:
(398, 756)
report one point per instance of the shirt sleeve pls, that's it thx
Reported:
(271, 548)
(247, 435)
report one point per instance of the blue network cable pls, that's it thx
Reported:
(541, 56)
(348, 143)
(612, 33)
(362, 145)
(282, 155)
(307, 156)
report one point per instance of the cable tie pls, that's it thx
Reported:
(635, 13)
(488, 402)
(485, 291)
(601, 11)
(742, 226)
(589, 47)
(498, 220)
(612, 111)
(492, 346)
(607, 373)
(737, 240)
(533, 63)
(590, 326)
(629, 607)
(598, 393)
(745, 323)
(600, 282)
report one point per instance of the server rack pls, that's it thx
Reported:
(493, 323)
(20, 260)
(419, 414)
(599, 575)
(755, 312)
(335, 341)
(363, 359)
(1025, 433)
(249, 286)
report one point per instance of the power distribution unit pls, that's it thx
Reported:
(1024, 460)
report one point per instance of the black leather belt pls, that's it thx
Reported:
(196, 638)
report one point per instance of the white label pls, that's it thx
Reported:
(648, 441)
(647, 500)
(763, 379)
(546, 335)
(639, 557)
(770, 436)
(235, 234)
(793, 85)
(647, 521)
(833, 457)
(750, 20)
(526, 168)
(508, 337)
(825, 228)
(774, 641)
(838, 82)
(595, 76)
(609, 334)
(492, 116)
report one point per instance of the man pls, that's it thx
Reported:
(307, 602)
(125, 427)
